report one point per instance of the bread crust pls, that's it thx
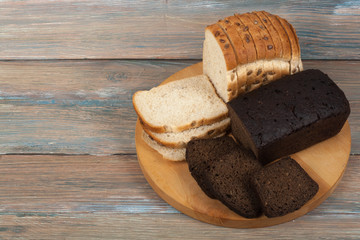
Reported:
(265, 48)
(264, 38)
(231, 25)
(225, 45)
(286, 47)
(170, 154)
(247, 32)
(295, 49)
(272, 49)
(244, 34)
(299, 63)
(259, 45)
(272, 33)
(209, 134)
(164, 129)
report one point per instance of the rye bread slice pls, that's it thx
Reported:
(200, 152)
(283, 187)
(223, 170)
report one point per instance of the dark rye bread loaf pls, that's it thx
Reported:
(283, 187)
(288, 115)
(223, 170)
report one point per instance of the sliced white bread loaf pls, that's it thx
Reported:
(180, 139)
(264, 46)
(173, 154)
(179, 105)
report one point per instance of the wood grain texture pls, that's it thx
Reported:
(325, 162)
(73, 107)
(90, 29)
(106, 197)
(85, 107)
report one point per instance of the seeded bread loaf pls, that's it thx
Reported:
(264, 48)
(179, 105)
(180, 139)
(283, 187)
(223, 170)
(288, 115)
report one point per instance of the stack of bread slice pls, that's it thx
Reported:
(174, 113)
(243, 52)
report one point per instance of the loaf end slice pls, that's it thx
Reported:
(219, 61)
(283, 187)
(179, 105)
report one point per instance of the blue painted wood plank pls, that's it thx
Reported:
(85, 107)
(107, 197)
(93, 29)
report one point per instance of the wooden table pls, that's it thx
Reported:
(68, 70)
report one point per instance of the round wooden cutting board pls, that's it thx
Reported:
(325, 162)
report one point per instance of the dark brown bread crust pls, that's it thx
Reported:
(289, 115)
(283, 187)
(223, 170)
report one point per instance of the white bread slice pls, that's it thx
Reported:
(179, 105)
(294, 42)
(260, 47)
(172, 154)
(273, 34)
(247, 40)
(298, 63)
(285, 42)
(244, 49)
(179, 140)
(235, 41)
